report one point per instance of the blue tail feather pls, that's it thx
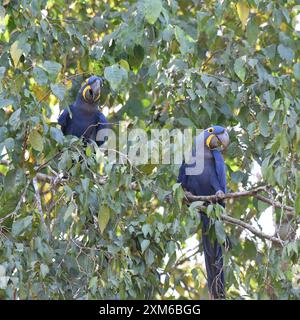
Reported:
(213, 261)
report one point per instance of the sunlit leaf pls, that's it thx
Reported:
(115, 75)
(59, 90)
(36, 140)
(103, 217)
(152, 10)
(16, 51)
(243, 11)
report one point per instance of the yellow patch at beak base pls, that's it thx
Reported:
(208, 140)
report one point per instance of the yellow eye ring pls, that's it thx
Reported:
(210, 130)
(84, 91)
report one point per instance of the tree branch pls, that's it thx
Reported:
(191, 198)
(247, 226)
(234, 195)
(273, 203)
(249, 193)
(50, 178)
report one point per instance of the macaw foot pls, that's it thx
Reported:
(220, 195)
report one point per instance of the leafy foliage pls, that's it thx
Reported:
(168, 64)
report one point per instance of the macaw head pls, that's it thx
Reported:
(91, 88)
(216, 137)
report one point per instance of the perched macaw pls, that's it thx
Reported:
(86, 119)
(211, 181)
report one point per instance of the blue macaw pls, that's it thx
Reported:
(86, 119)
(211, 181)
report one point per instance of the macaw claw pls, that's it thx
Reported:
(220, 194)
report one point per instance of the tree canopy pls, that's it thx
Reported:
(75, 226)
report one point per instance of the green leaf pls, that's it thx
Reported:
(243, 11)
(59, 90)
(149, 257)
(264, 127)
(210, 210)
(145, 244)
(88, 151)
(44, 270)
(176, 186)
(3, 282)
(171, 262)
(286, 53)
(2, 21)
(146, 229)
(16, 51)
(138, 56)
(85, 184)
(52, 67)
(5, 102)
(284, 142)
(239, 67)
(124, 64)
(9, 144)
(69, 212)
(152, 10)
(115, 75)
(186, 122)
(252, 32)
(280, 176)
(2, 72)
(186, 42)
(93, 282)
(296, 70)
(220, 232)
(195, 204)
(297, 204)
(57, 135)
(40, 76)
(20, 225)
(36, 141)
(10, 181)
(103, 217)
(2, 270)
(15, 119)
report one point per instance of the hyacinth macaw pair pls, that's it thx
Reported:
(86, 120)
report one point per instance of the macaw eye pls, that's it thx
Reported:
(210, 130)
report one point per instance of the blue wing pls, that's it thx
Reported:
(220, 169)
(63, 120)
(181, 175)
(102, 124)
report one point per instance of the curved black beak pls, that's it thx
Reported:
(220, 141)
(96, 89)
(224, 139)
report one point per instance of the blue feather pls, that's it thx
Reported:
(220, 169)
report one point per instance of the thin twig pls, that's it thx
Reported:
(275, 204)
(247, 226)
(38, 198)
